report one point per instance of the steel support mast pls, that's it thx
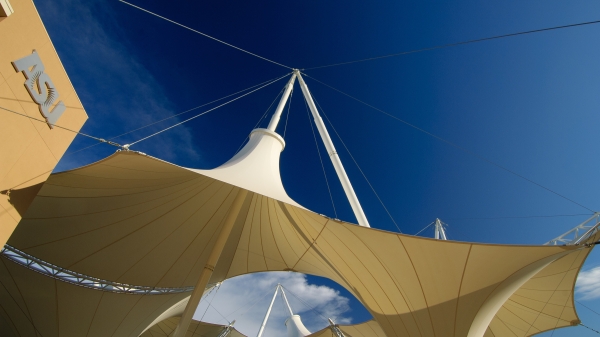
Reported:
(186, 317)
(333, 155)
(286, 301)
(264, 323)
(286, 94)
(440, 232)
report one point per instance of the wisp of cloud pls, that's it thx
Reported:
(588, 284)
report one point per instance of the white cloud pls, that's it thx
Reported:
(588, 284)
(246, 299)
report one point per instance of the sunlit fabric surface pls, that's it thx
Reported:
(134, 219)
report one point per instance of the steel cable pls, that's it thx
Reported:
(205, 112)
(205, 35)
(455, 44)
(469, 152)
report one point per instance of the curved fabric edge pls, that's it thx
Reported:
(135, 219)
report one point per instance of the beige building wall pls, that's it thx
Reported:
(29, 149)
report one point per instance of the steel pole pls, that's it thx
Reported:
(286, 94)
(264, 323)
(206, 273)
(440, 232)
(335, 158)
(286, 302)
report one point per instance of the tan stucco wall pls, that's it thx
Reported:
(29, 150)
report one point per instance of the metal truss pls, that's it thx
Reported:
(68, 276)
(579, 233)
(335, 329)
(225, 332)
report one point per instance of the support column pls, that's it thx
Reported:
(440, 232)
(264, 323)
(286, 302)
(226, 228)
(286, 94)
(335, 159)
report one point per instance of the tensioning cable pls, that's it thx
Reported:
(175, 115)
(305, 303)
(260, 120)
(320, 159)
(205, 35)
(205, 112)
(101, 140)
(424, 228)
(588, 308)
(242, 313)
(469, 152)
(358, 166)
(587, 327)
(522, 217)
(287, 116)
(455, 44)
(212, 299)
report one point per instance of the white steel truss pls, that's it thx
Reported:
(225, 332)
(68, 276)
(578, 233)
(335, 329)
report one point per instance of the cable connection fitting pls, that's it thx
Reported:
(102, 140)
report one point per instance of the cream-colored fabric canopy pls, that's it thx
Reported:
(366, 329)
(36, 305)
(134, 219)
(167, 327)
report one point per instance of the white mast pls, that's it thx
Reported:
(335, 159)
(286, 302)
(440, 232)
(264, 323)
(277, 115)
(295, 327)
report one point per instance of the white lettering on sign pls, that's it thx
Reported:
(40, 87)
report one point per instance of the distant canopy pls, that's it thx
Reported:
(197, 329)
(134, 219)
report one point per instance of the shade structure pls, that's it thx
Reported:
(37, 305)
(367, 329)
(135, 219)
(167, 327)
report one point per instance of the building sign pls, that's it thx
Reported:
(40, 87)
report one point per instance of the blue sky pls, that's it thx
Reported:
(528, 103)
